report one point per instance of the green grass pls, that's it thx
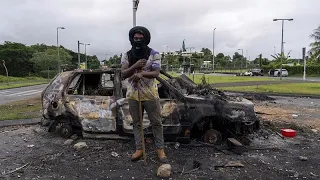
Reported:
(15, 82)
(25, 109)
(226, 79)
(21, 84)
(290, 88)
(4, 79)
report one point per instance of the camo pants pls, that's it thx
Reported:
(154, 114)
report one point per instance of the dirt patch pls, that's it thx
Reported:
(300, 116)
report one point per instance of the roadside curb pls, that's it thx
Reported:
(276, 94)
(19, 122)
(23, 86)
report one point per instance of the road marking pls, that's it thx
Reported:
(25, 92)
(3, 92)
(36, 92)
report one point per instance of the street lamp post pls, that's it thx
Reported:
(282, 42)
(241, 59)
(58, 47)
(167, 58)
(79, 53)
(85, 52)
(214, 30)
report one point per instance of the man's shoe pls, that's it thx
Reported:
(162, 156)
(137, 155)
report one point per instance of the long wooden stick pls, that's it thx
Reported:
(141, 128)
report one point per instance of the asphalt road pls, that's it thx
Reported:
(16, 94)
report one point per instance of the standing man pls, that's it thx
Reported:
(141, 65)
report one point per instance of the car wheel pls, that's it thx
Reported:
(66, 131)
(212, 136)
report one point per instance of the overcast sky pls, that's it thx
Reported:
(245, 24)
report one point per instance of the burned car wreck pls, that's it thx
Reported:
(92, 103)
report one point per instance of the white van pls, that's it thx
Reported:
(276, 72)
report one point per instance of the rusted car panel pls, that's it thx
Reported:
(94, 102)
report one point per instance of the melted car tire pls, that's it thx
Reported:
(65, 131)
(212, 136)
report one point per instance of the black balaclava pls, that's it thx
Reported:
(139, 49)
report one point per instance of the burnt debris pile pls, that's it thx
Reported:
(187, 86)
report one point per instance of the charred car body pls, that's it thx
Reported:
(93, 104)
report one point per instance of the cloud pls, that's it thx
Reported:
(245, 24)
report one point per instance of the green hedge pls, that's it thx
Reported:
(311, 69)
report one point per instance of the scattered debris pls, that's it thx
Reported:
(288, 132)
(68, 142)
(17, 169)
(303, 158)
(164, 170)
(177, 145)
(234, 142)
(295, 116)
(234, 164)
(30, 146)
(114, 154)
(37, 130)
(229, 164)
(74, 137)
(80, 145)
(314, 130)
(97, 148)
(312, 174)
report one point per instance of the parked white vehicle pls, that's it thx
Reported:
(276, 72)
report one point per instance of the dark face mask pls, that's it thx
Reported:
(139, 47)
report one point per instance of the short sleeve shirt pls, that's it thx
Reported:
(148, 88)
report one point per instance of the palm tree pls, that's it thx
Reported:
(315, 46)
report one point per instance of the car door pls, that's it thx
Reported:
(90, 98)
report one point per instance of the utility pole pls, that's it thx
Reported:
(105, 57)
(214, 30)
(282, 42)
(246, 58)
(58, 47)
(304, 63)
(135, 4)
(85, 52)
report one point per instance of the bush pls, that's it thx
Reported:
(310, 69)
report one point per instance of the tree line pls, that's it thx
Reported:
(237, 61)
(39, 59)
